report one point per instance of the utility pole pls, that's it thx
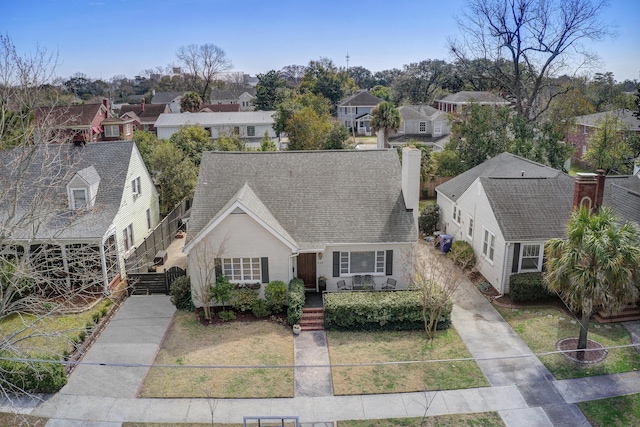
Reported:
(348, 63)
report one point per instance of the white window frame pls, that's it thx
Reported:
(240, 270)
(129, 239)
(127, 128)
(422, 127)
(524, 247)
(74, 204)
(136, 187)
(109, 131)
(457, 214)
(379, 263)
(251, 131)
(488, 244)
(470, 227)
(437, 128)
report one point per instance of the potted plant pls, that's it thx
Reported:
(322, 283)
(296, 329)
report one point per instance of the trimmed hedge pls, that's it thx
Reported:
(295, 301)
(33, 377)
(528, 287)
(429, 218)
(276, 295)
(180, 292)
(373, 311)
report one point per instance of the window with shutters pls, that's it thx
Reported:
(365, 262)
(531, 257)
(242, 269)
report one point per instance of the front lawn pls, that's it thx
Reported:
(188, 343)
(18, 420)
(542, 328)
(51, 335)
(385, 346)
(614, 412)
(485, 419)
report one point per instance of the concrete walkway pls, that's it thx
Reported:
(522, 390)
(311, 349)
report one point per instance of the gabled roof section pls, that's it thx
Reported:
(247, 201)
(624, 115)
(417, 112)
(479, 97)
(69, 115)
(220, 108)
(530, 208)
(150, 113)
(622, 193)
(89, 175)
(361, 98)
(505, 165)
(44, 173)
(165, 97)
(317, 197)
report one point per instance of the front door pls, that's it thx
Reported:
(307, 270)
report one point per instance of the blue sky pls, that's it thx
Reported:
(102, 38)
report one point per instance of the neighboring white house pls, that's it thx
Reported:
(171, 99)
(264, 216)
(243, 97)
(508, 207)
(455, 101)
(95, 203)
(423, 124)
(250, 125)
(355, 111)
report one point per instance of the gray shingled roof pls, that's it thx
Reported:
(165, 97)
(361, 99)
(505, 165)
(417, 112)
(45, 194)
(473, 96)
(622, 193)
(625, 116)
(530, 208)
(317, 197)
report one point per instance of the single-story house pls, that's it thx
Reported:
(147, 114)
(76, 211)
(455, 101)
(508, 207)
(264, 216)
(421, 123)
(250, 125)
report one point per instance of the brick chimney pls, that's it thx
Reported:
(411, 179)
(585, 191)
(142, 106)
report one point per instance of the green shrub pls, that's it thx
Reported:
(226, 315)
(527, 287)
(462, 254)
(34, 377)
(95, 317)
(276, 295)
(295, 300)
(222, 291)
(260, 308)
(104, 311)
(369, 311)
(429, 218)
(180, 292)
(82, 335)
(243, 299)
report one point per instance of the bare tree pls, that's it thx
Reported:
(436, 279)
(522, 44)
(203, 279)
(202, 64)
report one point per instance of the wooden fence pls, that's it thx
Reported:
(154, 283)
(159, 240)
(428, 189)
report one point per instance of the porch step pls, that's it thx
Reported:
(626, 315)
(312, 319)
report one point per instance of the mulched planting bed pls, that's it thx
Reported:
(241, 316)
(596, 353)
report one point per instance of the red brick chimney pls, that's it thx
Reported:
(585, 191)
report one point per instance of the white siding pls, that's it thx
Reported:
(401, 254)
(134, 210)
(241, 237)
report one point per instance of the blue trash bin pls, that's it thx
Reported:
(445, 242)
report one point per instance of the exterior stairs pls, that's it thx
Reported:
(312, 319)
(627, 315)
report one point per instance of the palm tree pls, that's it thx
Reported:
(191, 102)
(386, 117)
(596, 266)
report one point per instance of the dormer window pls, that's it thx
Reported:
(78, 198)
(83, 189)
(111, 131)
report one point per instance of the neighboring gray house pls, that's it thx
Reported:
(508, 207)
(355, 111)
(423, 124)
(81, 209)
(455, 101)
(280, 215)
(249, 125)
(172, 99)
